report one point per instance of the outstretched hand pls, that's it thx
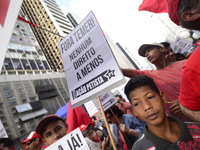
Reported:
(105, 143)
(175, 107)
(124, 128)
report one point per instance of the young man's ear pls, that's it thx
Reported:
(162, 49)
(190, 15)
(162, 95)
(44, 141)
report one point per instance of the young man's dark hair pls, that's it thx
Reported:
(139, 81)
(179, 56)
(7, 142)
(118, 96)
(93, 117)
(165, 44)
(115, 110)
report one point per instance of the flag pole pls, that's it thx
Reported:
(106, 122)
(30, 23)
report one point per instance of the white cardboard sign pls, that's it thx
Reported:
(107, 100)
(181, 46)
(90, 67)
(72, 141)
(91, 109)
(196, 32)
(3, 133)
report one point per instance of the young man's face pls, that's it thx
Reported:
(111, 118)
(53, 131)
(91, 134)
(169, 54)
(148, 105)
(153, 55)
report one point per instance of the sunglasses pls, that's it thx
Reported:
(29, 142)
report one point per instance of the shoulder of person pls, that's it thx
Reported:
(143, 143)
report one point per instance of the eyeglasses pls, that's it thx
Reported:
(29, 142)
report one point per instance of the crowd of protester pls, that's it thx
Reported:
(163, 106)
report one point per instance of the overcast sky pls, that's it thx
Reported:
(121, 20)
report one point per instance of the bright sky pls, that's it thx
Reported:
(121, 20)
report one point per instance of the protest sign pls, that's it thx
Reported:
(107, 101)
(181, 46)
(197, 32)
(72, 141)
(91, 109)
(9, 12)
(3, 133)
(90, 67)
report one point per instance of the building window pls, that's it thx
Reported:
(40, 66)
(11, 103)
(22, 131)
(25, 64)
(8, 64)
(23, 100)
(17, 64)
(33, 65)
(9, 98)
(45, 64)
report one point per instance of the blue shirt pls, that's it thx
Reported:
(130, 122)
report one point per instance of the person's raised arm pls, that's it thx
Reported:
(128, 72)
(192, 114)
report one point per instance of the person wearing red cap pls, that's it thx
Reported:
(187, 14)
(95, 138)
(6, 144)
(51, 128)
(33, 141)
(167, 76)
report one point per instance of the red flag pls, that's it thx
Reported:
(4, 4)
(24, 20)
(76, 117)
(156, 6)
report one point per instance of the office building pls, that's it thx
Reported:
(47, 14)
(29, 88)
(128, 56)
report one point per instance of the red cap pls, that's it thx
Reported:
(83, 127)
(32, 135)
(172, 7)
(44, 121)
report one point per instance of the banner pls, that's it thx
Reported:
(182, 46)
(90, 67)
(91, 109)
(107, 100)
(9, 11)
(196, 32)
(3, 133)
(72, 141)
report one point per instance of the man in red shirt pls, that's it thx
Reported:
(167, 76)
(187, 14)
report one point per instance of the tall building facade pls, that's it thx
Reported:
(29, 88)
(128, 56)
(47, 14)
